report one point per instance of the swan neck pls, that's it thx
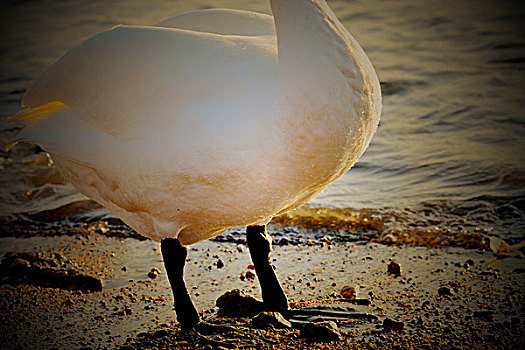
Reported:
(297, 20)
(312, 45)
(328, 90)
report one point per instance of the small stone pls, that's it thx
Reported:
(325, 331)
(124, 312)
(160, 333)
(220, 264)
(238, 304)
(47, 270)
(349, 292)
(498, 245)
(250, 276)
(29, 256)
(445, 291)
(20, 264)
(284, 241)
(273, 319)
(389, 323)
(394, 269)
(389, 239)
(153, 273)
(58, 256)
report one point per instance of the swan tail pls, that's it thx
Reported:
(57, 129)
(31, 115)
(28, 117)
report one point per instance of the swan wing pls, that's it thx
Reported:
(128, 78)
(224, 22)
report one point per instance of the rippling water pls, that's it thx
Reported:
(449, 152)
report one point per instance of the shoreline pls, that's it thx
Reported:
(132, 303)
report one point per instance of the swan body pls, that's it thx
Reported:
(208, 120)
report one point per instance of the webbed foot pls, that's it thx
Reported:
(216, 335)
(338, 313)
(211, 334)
(207, 328)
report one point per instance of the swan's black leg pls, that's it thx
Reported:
(273, 295)
(174, 255)
(260, 245)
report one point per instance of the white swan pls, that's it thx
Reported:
(209, 120)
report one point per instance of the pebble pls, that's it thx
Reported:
(250, 276)
(445, 291)
(237, 303)
(153, 273)
(126, 311)
(349, 292)
(361, 301)
(469, 262)
(144, 335)
(325, 331)
(394, 269)
(220, 264)
(160, 333)
(46, 270)
(284, 241)
(20, 264)
(389, 323)
(273, 319)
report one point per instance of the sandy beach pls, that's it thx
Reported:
(482, 306)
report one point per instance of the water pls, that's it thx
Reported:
(448, 154)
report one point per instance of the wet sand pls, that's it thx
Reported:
(485, 309)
